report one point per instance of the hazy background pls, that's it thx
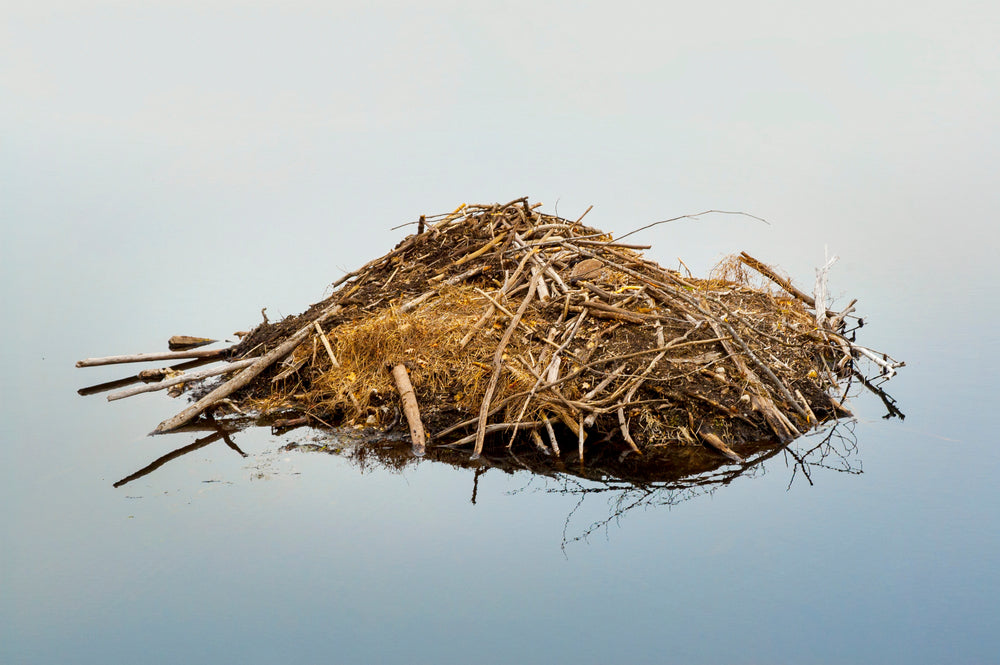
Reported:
(171, 167)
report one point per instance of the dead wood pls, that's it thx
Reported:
(501, 322)
(410, 408)
(183, 342)
(147, 357)
(241, 379)
(181, 377)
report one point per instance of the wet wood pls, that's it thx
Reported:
(127, 381)
(496, 427)
(288, 423)
(713, 440)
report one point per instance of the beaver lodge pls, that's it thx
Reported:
(500, 330)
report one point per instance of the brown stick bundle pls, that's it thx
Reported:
(499, 321)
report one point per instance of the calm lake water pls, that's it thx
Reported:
(291, 554)
(170, 168)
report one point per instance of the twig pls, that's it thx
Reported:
(497, 366)
(694, 216)
(326, 344)
(580, 218)
(784, 283)
(244, 377)
(507, 286)
(183, 378)
(145, 357)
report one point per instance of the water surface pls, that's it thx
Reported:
(171, 169)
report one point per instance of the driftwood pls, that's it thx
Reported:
(140, 377)
(182, 378)
(146, 357)
(410, 408)
(503, 323)
(181, 342)
(243, 378)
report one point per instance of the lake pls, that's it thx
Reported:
(285, 551)
(170, 171)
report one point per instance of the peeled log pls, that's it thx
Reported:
(410, 408)
(147, 357)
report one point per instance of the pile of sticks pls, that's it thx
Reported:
(499, 323)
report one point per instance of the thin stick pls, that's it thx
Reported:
(611, 243)
(243, 378)
(144, 357)
(291, 369)
(326, 344)
(694, 216)
(602, 311)
(183, 378)
(552, 435)
(551, 373)
(768, 272)
(452, 281)
(136, 378)
(623, 425)
(498, 365)
(410, 408)
(492, 308)
(495, 427)
(479, 252)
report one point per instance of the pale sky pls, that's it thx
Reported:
(288, 137)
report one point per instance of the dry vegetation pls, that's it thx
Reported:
(526, 330)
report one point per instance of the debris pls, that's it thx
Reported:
(505, 324)
(184, 342)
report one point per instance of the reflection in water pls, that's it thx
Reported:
(220, 433)
(834, 449)
(665, 476)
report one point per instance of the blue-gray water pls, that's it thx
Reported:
(170, 170)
